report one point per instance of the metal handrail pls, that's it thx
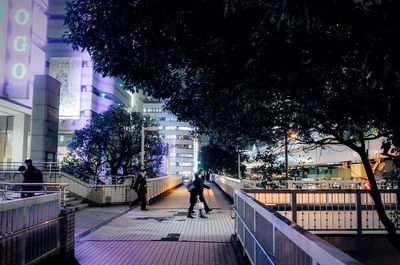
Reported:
(237, 215)
(7, 235)
(60, 186)
(309, 244)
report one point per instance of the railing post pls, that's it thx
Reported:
(255, 232)
(293, 204)
(64, 195)
(25, 223)
(51, 165)
(67, 232)
(358, 212)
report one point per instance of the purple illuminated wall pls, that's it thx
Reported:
(23, 33)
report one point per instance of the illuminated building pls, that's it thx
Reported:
(23, 29)
(31, 45)
(182, 157)
(83, 91)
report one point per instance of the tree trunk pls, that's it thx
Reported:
(376, 197)
(114, 170)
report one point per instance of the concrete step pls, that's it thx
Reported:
(69, 199)
(81, 206)
(73, 202)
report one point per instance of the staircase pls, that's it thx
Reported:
(73, 202)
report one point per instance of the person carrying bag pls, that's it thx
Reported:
(200, 207)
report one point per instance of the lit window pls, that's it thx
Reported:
(184, 128)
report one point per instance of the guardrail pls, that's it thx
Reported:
(29, 229)
(10, 190)
(228, 185)
(117, 193)
(52, 167)
(269, 238)
(332, 184)
(350, 211)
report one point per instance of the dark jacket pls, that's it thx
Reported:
(198, 187)
(140, 184)
(33, 175)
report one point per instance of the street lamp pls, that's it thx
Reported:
(289, 135)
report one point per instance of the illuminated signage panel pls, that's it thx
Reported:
(19, 46)
(68, 71)
(3, 42)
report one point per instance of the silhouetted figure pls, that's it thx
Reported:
(140, 186)
(194, 193)
(31, 175)
(203, 178)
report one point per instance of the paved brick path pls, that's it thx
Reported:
(163, 235)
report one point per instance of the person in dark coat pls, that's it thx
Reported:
(22, 170)
(140, 186)
(202, 179)
(31, 175)
(193, 195)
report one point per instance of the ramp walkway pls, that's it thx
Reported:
(162, 235)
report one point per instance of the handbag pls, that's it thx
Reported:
(200, 205)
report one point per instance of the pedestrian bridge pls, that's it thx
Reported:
(163, 235)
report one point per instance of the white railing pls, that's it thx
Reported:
(228, 185)
(117, 193)
(29, 229)
(269, 238)
(52, 167)
(350, 211)
(156, 186)
(93, 191)
(311, 184)
(11, 191)
(331, 184)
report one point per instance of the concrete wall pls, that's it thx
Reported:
(45, 109)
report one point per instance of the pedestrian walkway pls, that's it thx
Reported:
(163, 235)
(89, 218)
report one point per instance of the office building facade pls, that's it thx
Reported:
(182, 156)
(36, 60)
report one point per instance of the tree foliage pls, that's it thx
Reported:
(113, 140)
(218, 160)
(253, 70)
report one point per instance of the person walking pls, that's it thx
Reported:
(140, 186)
(201, 195)
(195, 196)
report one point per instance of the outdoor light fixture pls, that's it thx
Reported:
(289, 135)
